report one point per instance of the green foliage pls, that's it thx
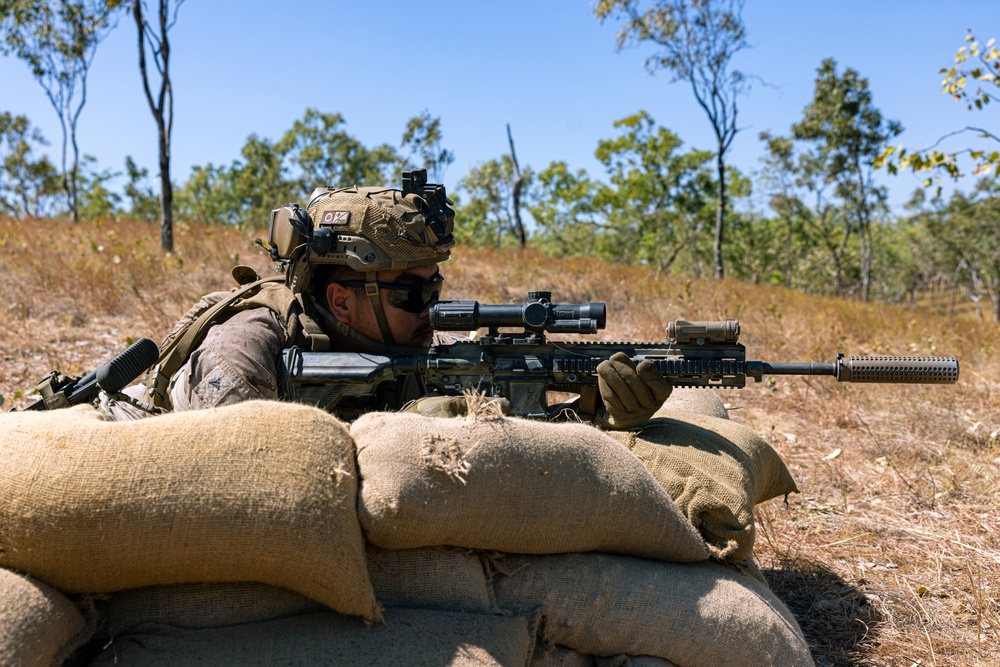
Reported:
(974, 63)
(209, 197)
(422, 139)
(488, 217)
(58, 40)
(821, 178)
(97, 202)
(28, 184)
(660, 199)
(142, 199)
(318, 152)
(694, 40)
(957, 241)
(567, 218)
(315, 152)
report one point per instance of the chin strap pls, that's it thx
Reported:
(349, 339)
(371, 289)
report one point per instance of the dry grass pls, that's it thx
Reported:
(889, 556)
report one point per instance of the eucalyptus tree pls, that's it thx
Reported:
(696, 41)
(154, 40)
(58, 40)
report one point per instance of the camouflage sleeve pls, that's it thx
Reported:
(236, 362)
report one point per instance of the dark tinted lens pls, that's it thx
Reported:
(416, 298)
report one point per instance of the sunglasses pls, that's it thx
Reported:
(411, 298)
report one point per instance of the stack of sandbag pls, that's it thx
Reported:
(269, 533)
(192, 532)
(587, 533)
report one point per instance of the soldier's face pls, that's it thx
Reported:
(407, 327)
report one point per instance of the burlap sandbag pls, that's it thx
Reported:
(412, 637)
(700, 400)
(260, 491)
(440, 578)
(39, 626)
(715, 470)
(553, 655)
(694, 614)
(429, 578)
(202, 606)
(512, 485)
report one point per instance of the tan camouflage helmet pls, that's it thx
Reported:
(366, 228)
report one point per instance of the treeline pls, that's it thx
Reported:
(812, 217)
(654, 204)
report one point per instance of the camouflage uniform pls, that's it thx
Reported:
(234, 343)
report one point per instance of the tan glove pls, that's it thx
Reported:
(631, 394)
(434, 405)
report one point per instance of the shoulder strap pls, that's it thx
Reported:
(175, 350)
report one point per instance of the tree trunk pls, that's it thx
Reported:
(720, 213)
(166, 190)
(74, 201)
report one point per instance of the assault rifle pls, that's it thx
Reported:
(523, 366)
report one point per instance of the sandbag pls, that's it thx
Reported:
(715, 470)
(551, 655)
(412, 637)
(39, 626)
(441, 578)
(699, 400)
(260, 491)
(704, 614)
(429, 578)
(212, 605)
(512, 485)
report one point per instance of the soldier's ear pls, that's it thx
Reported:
(342, 302)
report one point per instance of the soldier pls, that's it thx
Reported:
(361, 272)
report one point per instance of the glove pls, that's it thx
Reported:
(434, 405)
(631, 394)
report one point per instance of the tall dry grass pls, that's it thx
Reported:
(889, 556)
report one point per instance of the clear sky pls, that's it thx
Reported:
(548, 67)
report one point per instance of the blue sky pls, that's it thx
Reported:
(549, 68)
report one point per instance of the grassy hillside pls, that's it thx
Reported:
(889, 556)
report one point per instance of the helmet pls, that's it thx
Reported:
(368, 229)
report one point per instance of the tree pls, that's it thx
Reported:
(847, 133)
(567, 217)
(696, 41)
(656, 207)
(800, 193)
(319, 152)
(97, 202)
(962, 236)
(659, 200)
(157, 43)
(488, 217)
(58, 40)
(974, 62)
(422, 139)
(27, 184)
(143, 202)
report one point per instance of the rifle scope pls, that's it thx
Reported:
(537, 315)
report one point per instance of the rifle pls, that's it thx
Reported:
(523, 366)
